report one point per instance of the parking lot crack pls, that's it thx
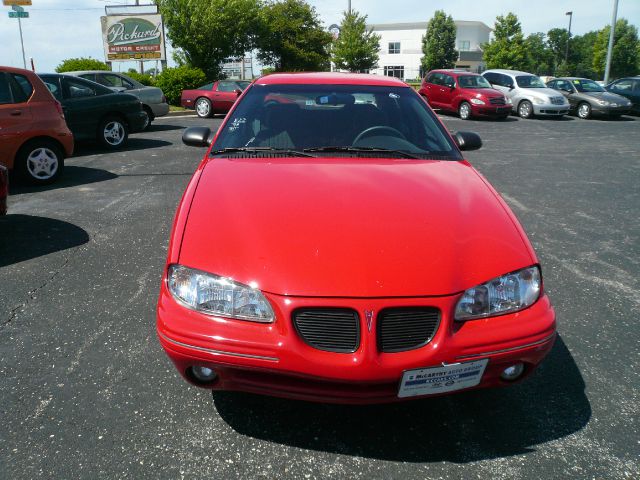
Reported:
(33, 293)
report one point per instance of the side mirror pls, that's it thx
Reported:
(510, 86)
(238, 92)
(197, 136)
(467, 140)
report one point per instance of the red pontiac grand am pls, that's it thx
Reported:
(335, 246)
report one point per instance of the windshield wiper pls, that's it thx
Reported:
(363, 150)
(258, 150)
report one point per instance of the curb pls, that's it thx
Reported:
(180, 113)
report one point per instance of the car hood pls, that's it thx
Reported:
(487, 92)
(606, 96)
(351, 227)
(542, 93)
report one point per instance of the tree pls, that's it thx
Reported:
(581, 54)
(624, 60)
(507, 49)
(82, 63)
(356, 48)
(209, 31)
(542, 62)
(439, 42)
(173, 81)
(292, 37)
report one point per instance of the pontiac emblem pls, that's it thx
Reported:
(368, 314)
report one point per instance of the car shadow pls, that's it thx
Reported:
(133, 143)
(466, 427)
(23, 237)
(157, 127)
(71, 176)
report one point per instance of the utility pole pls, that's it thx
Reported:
(566, 52)
(349, 9)
(614, 16)
(24, 59)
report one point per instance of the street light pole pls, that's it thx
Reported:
(349, 9)
(607, 68)
(566, 52)
(24, 59)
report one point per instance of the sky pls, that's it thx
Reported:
(59, 29)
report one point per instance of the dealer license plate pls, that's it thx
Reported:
(446, 378)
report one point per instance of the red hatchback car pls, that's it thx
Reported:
(468, 94)
(33, 134)
(215, 97)
(337, 247)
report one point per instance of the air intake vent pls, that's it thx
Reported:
(406, 328)
(329, 329)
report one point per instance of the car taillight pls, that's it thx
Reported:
(59, 109)
(164, 99)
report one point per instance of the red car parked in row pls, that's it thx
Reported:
(337, 247)
(468, 94)
(215, 97)
(34, 137)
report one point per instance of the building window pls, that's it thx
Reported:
(397, 72)
(394, 47)
(464, 45)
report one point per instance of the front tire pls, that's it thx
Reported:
(113, 132)
(464, 110)
(40, 162)
(203, 107)
(525, 109)
(584, 111)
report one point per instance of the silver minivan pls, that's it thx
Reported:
(529, 94)
(153, 100)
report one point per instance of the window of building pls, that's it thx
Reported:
(394, 47)
(464, 45)
(397, 72)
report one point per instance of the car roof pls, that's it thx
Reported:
(14, 70)
(454, 71)
(508, 72)
(326, 78)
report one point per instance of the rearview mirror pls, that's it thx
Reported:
(197, 136)
(467, 140)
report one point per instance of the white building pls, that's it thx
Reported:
(401, 47)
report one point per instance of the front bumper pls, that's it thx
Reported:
(272, 359)
(610, 110)
(490, 110)
(550, 109)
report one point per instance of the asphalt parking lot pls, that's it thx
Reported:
(87, 392)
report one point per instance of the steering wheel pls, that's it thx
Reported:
(367, 132)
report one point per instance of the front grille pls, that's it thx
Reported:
(329, 329)
(557, 100)
(406, 328)
(497, 101)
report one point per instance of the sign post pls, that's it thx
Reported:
(19, 13)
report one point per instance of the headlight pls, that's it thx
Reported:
(602, 102)
(477, 101)
(505, 294)
(214, 295)
(539, 101)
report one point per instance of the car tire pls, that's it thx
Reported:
(525, 109)
(584, 110)
(203, 107)
(40, 161)
(113, 132)
(150, 117)
(464, 110)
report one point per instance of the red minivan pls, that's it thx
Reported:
(468, 94)
(34, 136)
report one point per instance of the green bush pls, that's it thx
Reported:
(82, 63)
(173, 80)
(144, 79)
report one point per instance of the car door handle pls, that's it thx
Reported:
(16, 113)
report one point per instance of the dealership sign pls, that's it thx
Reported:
(133, 37)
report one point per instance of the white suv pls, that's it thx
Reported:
(529, 94)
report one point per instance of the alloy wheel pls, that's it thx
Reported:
(465, 111)
(42, 163)
(203, 108)
(114, 133)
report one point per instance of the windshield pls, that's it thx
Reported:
(583, 85)
(342, 120)
(473, 81)
(529, 81)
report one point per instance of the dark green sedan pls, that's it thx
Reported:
(95, 112)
